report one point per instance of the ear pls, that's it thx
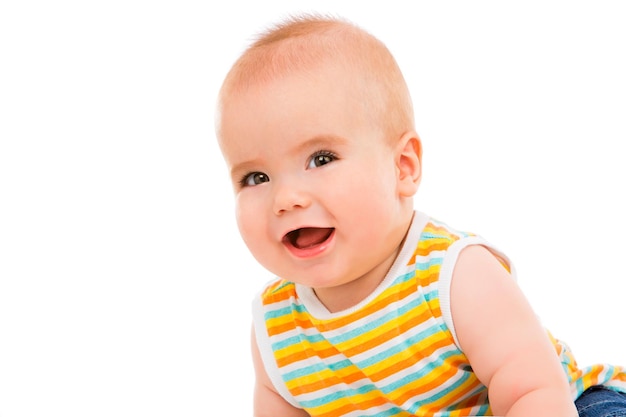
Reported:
(409, 163)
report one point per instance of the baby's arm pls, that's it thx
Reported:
(508, 348)
(267, 402)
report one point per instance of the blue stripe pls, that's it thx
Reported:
(390, 413)
(445, 391)
(431, 295)
(433, 235)
(284, 311)
(281, 286)
(391, 316)
(403, 278)
(608, 374)
(355, 333)
(425, 370)
(296, 340)
(483, 410)
(327, 399)
(429, 263)
(350, 394)
(308, 370)
(404, 345)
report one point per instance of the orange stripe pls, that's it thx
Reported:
(288, 326)
(273, 295)
(388, 335)
(347, 408)
(304, 354)
(439, 244)
(409, 361)
(621, 376)
(466, 387)
(352, 373)
(592, 377)
(428, 276)
(386, 298)
(472, 402)
(350, 377)
(436, 229)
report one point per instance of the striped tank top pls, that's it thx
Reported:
(395, 353)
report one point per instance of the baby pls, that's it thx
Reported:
(378, 309)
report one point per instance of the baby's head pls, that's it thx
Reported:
(316, 126)
(302, 45)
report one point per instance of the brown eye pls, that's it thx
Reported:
(321, 158)
(254, 178)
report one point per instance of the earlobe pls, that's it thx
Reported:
(409, 163)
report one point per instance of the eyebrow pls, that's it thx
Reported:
(320, 141)
(238, 170)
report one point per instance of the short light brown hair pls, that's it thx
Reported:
(302, 42)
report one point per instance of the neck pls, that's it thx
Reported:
(345, 296)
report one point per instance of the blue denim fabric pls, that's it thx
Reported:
(601, 402)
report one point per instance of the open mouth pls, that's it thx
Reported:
(308, 237)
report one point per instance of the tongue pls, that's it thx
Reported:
(310, 237)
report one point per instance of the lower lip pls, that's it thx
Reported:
(314, 250)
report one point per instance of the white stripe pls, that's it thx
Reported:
(414, 368)
(425, 395)
(332, 389)
(389, 344)
(296, 366)
(370, 412)
(377, 315)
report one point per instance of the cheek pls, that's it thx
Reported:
(371, 196)
(252, 225)
(359, 202)
(247, 221)
(371, 183)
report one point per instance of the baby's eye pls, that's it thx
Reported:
(254, 178)
(321, 158)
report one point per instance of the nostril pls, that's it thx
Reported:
(287, 200)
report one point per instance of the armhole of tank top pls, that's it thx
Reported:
(447, 269)
(267, 355)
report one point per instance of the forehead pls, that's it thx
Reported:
(325, 101)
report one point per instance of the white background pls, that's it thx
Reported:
(124, 286)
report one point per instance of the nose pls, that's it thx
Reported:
(288, 197)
